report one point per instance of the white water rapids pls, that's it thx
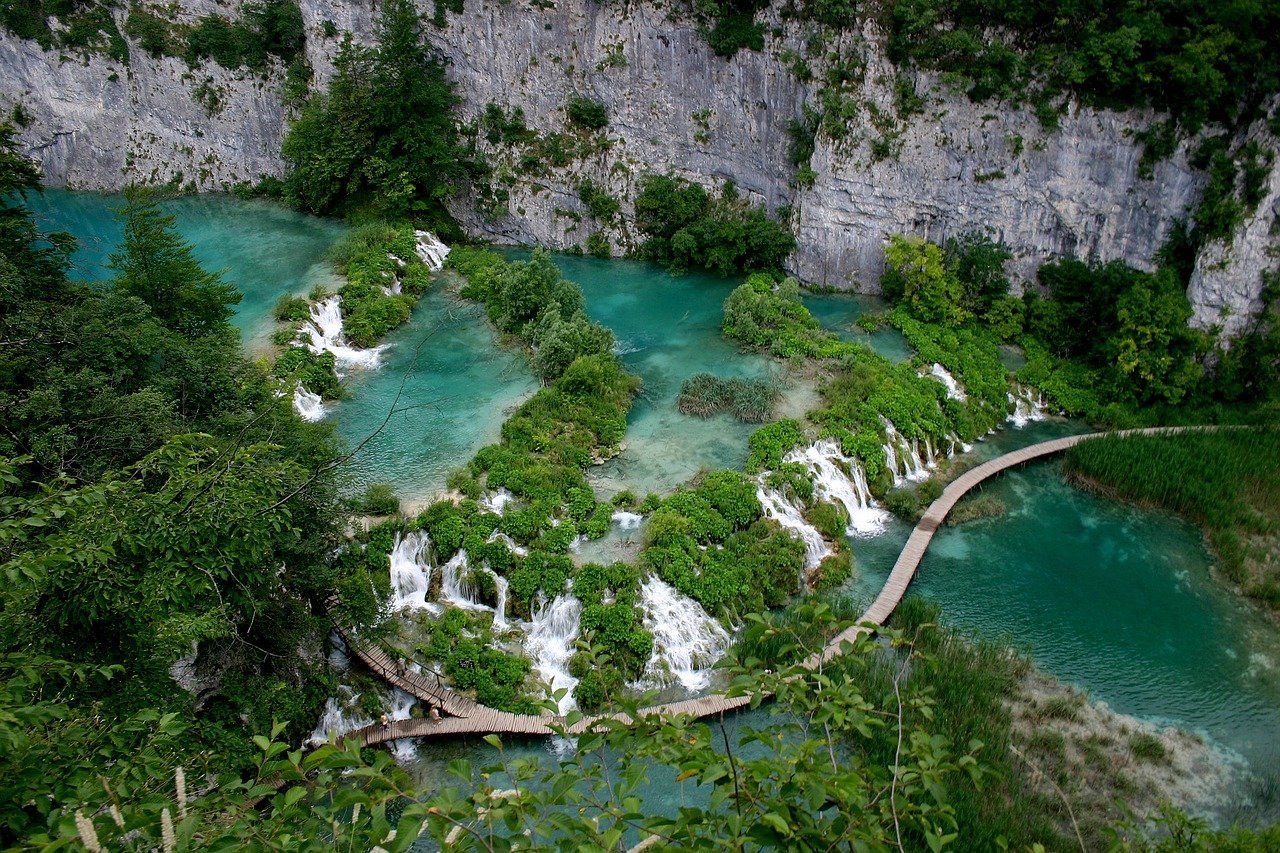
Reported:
(686, 641)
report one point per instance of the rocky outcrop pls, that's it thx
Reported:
(674, 107)
(99, 124)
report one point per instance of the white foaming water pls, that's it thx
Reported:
(954, 389)
(627, 520)
(458, 589)
(903, 457)
(829, 465)
(1028, 406)
(789, 517)
(410, 572)
(686, 641)
(515, 548)
(431, 250)
(324, 334)
(341, 715)
(550, 644)
(404, 749)
(309, 406)
(496, 502)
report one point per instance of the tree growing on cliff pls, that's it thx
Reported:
(384, 136)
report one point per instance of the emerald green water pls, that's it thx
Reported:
(837, 313)
(264, 249)
(1114, 599)
(455, 387)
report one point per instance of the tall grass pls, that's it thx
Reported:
(749, 400)
(1228, 482)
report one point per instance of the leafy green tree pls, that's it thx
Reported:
(978, 263)
(1153, 351)
(155, 265)
(916, 273)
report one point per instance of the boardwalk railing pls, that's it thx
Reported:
(468, 717)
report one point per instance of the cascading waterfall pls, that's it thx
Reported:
(686, 641)
(496, 502)
(410, 572)
(513, 546)
(550, 643)
(777, 507)
(323, 333)
(309, 406)
(458, 589)
(1028, 405)
(903, 457)
(828, 465)
(431, 250)
(341, 715)
(627, 520)
(402, 749)
(954, 389)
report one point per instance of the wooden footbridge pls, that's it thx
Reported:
(461, 716)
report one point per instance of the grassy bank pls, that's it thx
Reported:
(1227, 482)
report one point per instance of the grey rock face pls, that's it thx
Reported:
(98, 124)
(674, 107)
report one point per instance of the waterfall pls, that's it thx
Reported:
(1028, 405)
(550, 643)
(410, 572)
(515, 548)
(954, 390)
(627, 520)
(431, 250)
(403, 749)
(323, 333)
(455, 583)
(309, 406)
(341, 715)
(686, 641)
(496, 502)
(905, 462)
(789, 517)
(828, 464)
(500, 610)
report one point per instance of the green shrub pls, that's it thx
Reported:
(768, 444)
(316, 371)
(687, 229)
(587, 113)
(292, 309)
(379, 499)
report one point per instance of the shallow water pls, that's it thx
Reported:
(838, 311)
(1114, 599)
(264, 249)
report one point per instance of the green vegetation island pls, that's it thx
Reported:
(580, 425)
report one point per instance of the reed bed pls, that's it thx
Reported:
(749, 400)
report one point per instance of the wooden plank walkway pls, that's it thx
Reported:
(467, 717)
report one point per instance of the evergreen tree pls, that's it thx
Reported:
(156, 266)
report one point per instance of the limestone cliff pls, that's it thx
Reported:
(948, 165)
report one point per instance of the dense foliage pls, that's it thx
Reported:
(1199, 61)
(712, 544)
(1222, 481)
(163, 514)
(689, 229)
(385, 277)
(384, 136)
(762, 313)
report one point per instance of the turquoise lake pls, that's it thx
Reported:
(1114, 599)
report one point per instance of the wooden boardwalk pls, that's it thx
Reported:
(466, 717)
